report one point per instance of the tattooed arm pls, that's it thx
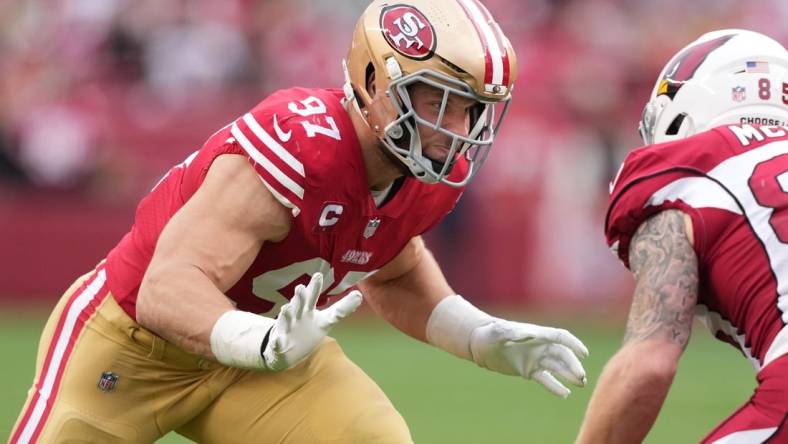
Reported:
(634, 383)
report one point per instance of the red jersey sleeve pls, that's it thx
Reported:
(269, 142)
(668, 176)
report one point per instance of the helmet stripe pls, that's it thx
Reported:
(686, 63)
(488, 64)
(504, 55)
(496, 59)
(499, 38)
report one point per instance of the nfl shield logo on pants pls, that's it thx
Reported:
(107, 382)
(372, 226)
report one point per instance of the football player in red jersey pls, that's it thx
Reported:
(204, 318)
(698, 216)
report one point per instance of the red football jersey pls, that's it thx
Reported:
(733, 182)
(305, 150)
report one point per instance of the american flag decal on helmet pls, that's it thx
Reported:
(757, 67)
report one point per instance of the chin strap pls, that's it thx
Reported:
(347, 88)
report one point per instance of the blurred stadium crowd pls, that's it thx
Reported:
(99, 98)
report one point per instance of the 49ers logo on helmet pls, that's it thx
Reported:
(408, 31)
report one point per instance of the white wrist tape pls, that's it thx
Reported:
(236, 339)
(451, 323)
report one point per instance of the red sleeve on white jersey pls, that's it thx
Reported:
(636, 203)
(267, 140)
(660, 177)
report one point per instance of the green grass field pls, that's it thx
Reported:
(447, 400)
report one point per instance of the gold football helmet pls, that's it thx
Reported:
(453, 45)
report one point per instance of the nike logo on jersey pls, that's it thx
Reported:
(283, 136)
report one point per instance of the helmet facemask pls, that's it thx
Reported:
(401, 136)
(680, 126)
(647, 122)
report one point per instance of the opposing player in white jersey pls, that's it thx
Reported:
(700, 216)
(309, 193)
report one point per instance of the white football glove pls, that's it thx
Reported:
(301, 327)
(531, 351)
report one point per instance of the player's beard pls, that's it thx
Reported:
(437, 165)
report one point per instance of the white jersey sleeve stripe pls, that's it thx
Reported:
(697, 192)
(266, 164)
(778, 347)
(747, 436)
(273, 145)
(282, 199)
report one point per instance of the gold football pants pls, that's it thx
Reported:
(102, 378)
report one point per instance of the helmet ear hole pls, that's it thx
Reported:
(369, 79)
(675, 125)
(475, 113)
